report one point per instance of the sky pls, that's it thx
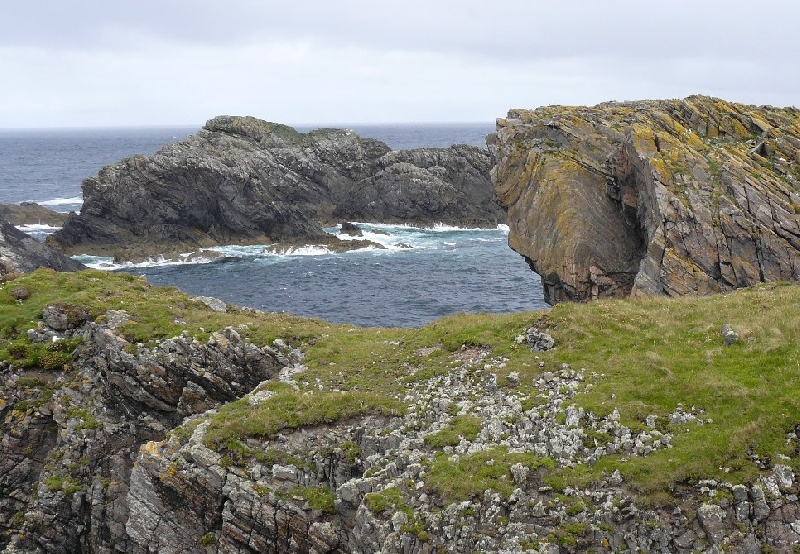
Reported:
(98, 63)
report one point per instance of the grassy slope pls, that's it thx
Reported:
(649, 356)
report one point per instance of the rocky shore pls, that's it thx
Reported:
(669, 197)
(243, 180)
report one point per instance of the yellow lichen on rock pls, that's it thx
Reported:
(594, 187)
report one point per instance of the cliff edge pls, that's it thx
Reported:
(664, 197)
(138, 419)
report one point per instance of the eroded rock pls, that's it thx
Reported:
(665, 197)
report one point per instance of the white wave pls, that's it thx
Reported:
(503, 227)
(108, 264)
(61, 201)
(308, 250)
(37, 228)
(241, 251)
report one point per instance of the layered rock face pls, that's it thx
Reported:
(66, 457)
(20, 253)
(665, 197)
(243, 180)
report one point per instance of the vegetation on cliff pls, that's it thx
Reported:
(643, 358)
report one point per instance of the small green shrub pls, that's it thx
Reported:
(67, 484)
(54, 360)
(207, 540)
(319, 498)
(18, 351)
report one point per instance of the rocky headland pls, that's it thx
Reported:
(243, 180)
(665, 197)
(138, 419)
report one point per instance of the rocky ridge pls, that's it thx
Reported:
(667, 197)
(113, 454)
(243, 180)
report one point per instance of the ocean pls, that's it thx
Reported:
(445, 271)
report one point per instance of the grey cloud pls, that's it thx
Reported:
(512, 29)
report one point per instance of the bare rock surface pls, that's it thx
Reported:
(665, 197)
(21, 253)
(243, 180)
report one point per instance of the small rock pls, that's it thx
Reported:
(538, 341)
(351, 229)
(214, 304)
(729, 335)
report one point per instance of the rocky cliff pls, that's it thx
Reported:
(129, 426)
(20, 253)
(243, 180)
(667, 197)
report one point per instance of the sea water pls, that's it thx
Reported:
(418, 276)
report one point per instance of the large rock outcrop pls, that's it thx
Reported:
(20, 253)
(665, 197)
(243, 180)
(114, 455)
(69, 438)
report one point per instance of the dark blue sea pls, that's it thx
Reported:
(445, 271)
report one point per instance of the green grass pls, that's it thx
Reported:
(658, 353)
(473, 474)
(290, 409)
(467, 426)
(649, 356)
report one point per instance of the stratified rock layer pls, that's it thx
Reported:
(243, 180)
(665, 197)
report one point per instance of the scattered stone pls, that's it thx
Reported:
(214, 304)
(538, 341)
(729, 335)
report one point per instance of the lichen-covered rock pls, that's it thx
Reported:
(668, 197)
(243, 180)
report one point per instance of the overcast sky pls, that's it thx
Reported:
(83, 63)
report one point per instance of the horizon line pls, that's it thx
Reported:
(200, 125)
